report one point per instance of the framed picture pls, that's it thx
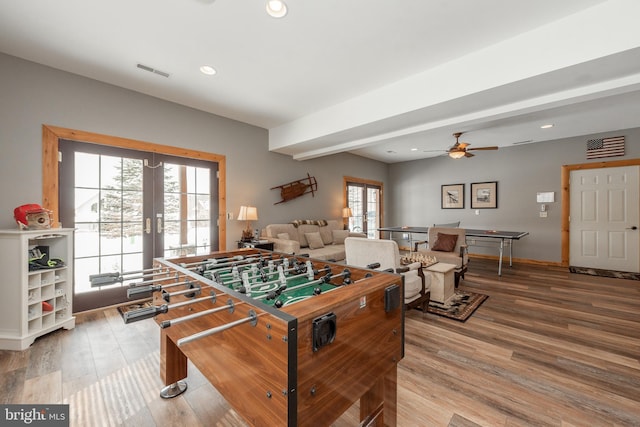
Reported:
(453, 196)
(484, 195)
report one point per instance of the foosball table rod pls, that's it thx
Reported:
(239, 259)
(105, 279)
(283, 280)
(230, 306)
(253, 318)
(212, 261)
(272, 268)
(220, 277)
(153, 311)
(137, 291)
(195, 291)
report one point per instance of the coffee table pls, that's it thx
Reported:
(442, 281)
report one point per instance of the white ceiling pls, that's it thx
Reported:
(372, 77)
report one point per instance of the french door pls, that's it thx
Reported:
(365, 200)
(129, 207)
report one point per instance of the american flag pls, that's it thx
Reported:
(605, 147)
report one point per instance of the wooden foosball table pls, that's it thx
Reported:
(287, 340)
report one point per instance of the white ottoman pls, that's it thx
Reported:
(442, 281)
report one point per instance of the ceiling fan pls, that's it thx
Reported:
(459, 149)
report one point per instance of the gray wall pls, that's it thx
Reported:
(33, 95)
(521, 172)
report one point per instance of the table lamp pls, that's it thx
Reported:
(247, 213)
(347, 213)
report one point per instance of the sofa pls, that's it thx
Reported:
(320, 239)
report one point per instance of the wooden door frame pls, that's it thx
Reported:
(51, 136)
(566, 201)
(347, 179)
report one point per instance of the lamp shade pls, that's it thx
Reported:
(456, 154)
(248, 213)
(347, 213)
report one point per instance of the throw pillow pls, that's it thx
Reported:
(445, 242)
(339, 236)
(327, 237)
(283, 236)
(314, 240)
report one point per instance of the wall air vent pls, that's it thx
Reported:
(152, 70)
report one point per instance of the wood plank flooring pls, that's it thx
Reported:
(547, 348)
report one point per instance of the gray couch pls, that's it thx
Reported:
(322, 239)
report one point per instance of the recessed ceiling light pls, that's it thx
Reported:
(276, 8)
(414, 149)
(547, 126)
(208, 70)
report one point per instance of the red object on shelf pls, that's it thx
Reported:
(46, 306)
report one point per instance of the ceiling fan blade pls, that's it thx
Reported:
(468, 154)
(483, 148)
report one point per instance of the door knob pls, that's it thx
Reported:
(633, 227)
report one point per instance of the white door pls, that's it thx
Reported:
(604, 219)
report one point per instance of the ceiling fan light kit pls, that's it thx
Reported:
(276, 8)
(460, 150)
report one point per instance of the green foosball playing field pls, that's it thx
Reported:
(279, 285)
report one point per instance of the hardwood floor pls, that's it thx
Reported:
(547, 348)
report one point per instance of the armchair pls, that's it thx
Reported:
(448, 249)
(447, 225)
(363, 252)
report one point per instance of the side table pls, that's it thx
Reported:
(442, 281)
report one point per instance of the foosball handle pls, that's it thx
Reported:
(373, 266)
(136, 292)
(144, 313)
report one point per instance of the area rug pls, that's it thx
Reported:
(605, 273)
(460, 307)
(125, 308)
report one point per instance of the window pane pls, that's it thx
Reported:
(87, 170)
(171, 178)
(202, 181)
(131, 262)
(111, 238)
(191, 207)
(84, 267)
(203, 234)
(86, 205)
(132, 205)
(87, 240)
(111, 205)
(132, 174)
(191, 179)
(171, 207)
(132, 238)
(110, 172)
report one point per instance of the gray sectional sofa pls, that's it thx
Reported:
(321, 239)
